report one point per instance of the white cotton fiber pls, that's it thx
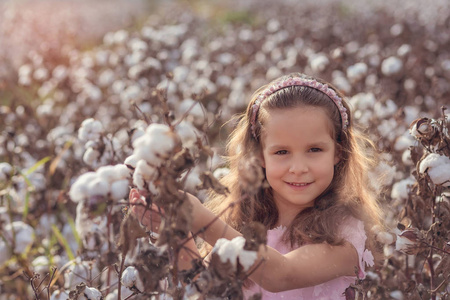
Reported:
(437, 167)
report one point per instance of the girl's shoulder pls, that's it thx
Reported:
(353, 231)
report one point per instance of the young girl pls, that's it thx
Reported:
(317, 207)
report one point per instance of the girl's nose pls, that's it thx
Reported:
(298, 166)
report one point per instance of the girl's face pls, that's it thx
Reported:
(299, 155)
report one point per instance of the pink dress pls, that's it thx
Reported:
(352, 230)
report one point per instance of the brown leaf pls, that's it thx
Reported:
(130, 231)
(255, 234)
(210, 182)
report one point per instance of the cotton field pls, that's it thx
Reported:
(149, 105)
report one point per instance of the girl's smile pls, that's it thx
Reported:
(298, 156)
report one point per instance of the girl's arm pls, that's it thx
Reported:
(305, 266)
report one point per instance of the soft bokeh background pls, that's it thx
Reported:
(62, 62)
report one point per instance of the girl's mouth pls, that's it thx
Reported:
(298, 184)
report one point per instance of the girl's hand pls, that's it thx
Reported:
(150, 217)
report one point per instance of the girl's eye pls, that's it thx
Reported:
(281, 152)
(315, 150)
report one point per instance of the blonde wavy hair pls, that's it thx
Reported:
(349, 194)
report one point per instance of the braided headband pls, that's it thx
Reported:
(297, 81)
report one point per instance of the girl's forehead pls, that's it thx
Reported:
(306, 123)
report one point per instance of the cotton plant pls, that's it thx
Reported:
(80, 271)
(100, 149)
(420, 234)
(107, 183)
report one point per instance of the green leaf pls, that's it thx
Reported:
(74, 231)
(63, 242)
(37, 165)
(26, 208)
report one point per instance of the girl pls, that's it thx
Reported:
(317, 207)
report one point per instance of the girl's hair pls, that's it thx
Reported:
(349, 193)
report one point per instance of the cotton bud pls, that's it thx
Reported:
(409, 241)
(19, 234)
(131, 279)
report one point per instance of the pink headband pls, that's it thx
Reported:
(297, 81)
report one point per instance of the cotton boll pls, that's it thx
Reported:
(342, 84)
(227, 250)
(232, 250)
(59, 295)
(79, 271)
(22, 237)
(385, 110)
(131, 279)
(119, 189)
(91, 293)
(131, 160)
(403, 142)
(391, 66)
(41, 264)
(146, 153)
(90, 130)
(318, 62)
(97, 187)
(5, 171)
(363, 101)
(188, 135)
(397, 295)
(411, 113)
(406, 158)
(143, 174)
(356, 72)
(5, 255)
(4, 215)
(437, 167)
(106, 78)
(400, 190)
(91, 156)
(385, 238)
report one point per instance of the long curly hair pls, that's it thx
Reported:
(349, 194)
